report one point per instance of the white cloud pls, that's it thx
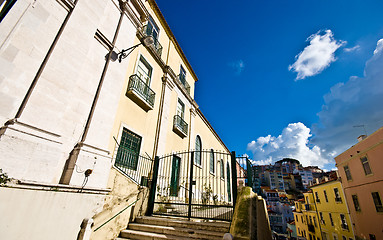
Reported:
(238, 66)
(355, 102)
(292, 143)
(379, 46)
(352, 49)
(317, 56)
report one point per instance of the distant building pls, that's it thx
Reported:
(274, 180)
(360, 168)
(332, 210)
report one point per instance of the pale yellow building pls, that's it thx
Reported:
(334, 215)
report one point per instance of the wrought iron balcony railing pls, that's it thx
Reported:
(180, 126)
(148, 31)
(311, 228)
(182, 79)
(140, 88)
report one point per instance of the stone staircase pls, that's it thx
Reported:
(154, 228)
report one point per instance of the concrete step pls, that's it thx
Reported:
(177, 231)
(214, 226)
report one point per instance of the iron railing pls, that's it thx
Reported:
(180, 124)
(186, 85)
(186, 187)
(142, 89)
(148, 32)
(136, 167)
(311, 228)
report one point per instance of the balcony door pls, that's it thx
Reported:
(144, 71)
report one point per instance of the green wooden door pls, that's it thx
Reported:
(175, 177)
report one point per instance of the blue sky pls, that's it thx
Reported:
(285, 78)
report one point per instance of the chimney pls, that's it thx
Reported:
(361, 138)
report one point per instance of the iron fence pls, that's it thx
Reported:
(195, 184)
(137, 168)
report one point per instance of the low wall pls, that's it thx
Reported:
(250, 219)
(39, 214)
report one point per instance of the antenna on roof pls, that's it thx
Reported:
(362, 125)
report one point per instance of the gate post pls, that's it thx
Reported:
(152, 192)
(249, 173)
(190, 184)
(234, 177)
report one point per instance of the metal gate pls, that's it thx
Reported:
(195, 184)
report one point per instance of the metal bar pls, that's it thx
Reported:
(234, 177)
(152, 193)
(116, 215)
(249, 173)
(190, 184)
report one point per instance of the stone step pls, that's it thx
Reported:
(177, 231)
(214, 226)
(139, 235)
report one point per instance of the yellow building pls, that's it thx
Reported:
(334, 215)
(306, 218)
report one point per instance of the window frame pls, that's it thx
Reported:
(347, 172)
(377, 200)
(355, 200)
(198, 151)
(366, 165)
(133, 163)
(212, 161)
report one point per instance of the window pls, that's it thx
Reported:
(198, 150)
(344, 222)
(152, 29)
(182, 75)
(325, 236)
(325, 195)
(212, 167)
(321, 218)
(356, 203)
(337, 195)
(296, 218)
(5, 6)
(315, 221)
(366, 165)
(372, 236)
(144, 71)
(228, 181)
(181, 109)
(377, 201)
(128, 150)
(222, 170)
(344, 238)
(317, 197)
(331, 220)
(347, 172)
(307, 200)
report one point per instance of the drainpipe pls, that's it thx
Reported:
(40, 70)
(71, 161)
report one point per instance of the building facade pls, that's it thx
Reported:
(91, 92)
(359, 168)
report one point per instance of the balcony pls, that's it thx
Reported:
(311, 228)
(308, 207)
(338, 199)
(180, 126)
(186, 85)
(148, 32)
(140, 93)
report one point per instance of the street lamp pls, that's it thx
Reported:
(147, 41)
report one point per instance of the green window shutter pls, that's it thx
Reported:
(128, 150)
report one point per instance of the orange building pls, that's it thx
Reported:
(360, 168)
